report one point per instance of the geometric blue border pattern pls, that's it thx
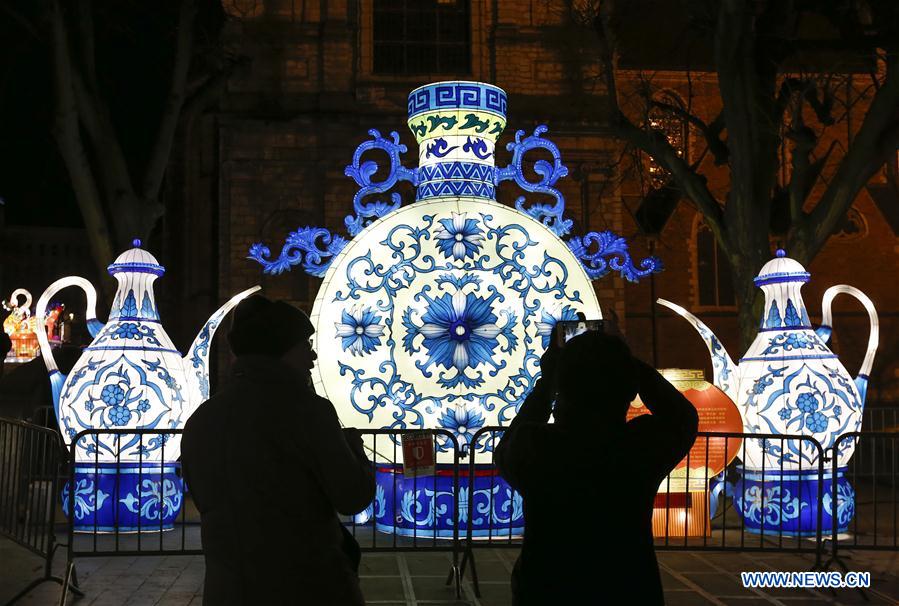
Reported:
(457, 95)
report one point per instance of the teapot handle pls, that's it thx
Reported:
(827, 321)
(57, 378)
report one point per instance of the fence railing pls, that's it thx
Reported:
(141, 507)
(880, 419)
(757, 504)
(30, 466)
(866, 494)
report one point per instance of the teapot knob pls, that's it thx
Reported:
(136, 243)
(780, 253)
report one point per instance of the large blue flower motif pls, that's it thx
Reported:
(460, 332)
(119, 415)
(816, 422)
(360, 331)
(112, 395)
(807, 402)
(460, 237)
(548, 322)
(464, 422)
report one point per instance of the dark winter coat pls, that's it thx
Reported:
(269, 468)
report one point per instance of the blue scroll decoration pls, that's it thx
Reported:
(551, 215)
(361, 172)
(313, 247)
(611, 254)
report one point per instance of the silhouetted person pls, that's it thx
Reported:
(269, 469)
(590, 479)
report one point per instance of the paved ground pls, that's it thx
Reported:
(418, 579)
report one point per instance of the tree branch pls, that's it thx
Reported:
(68, 136)
(159, 155)
(86, 41)
(875, 141)
(693, 185)
(96, 120)
(712, 132)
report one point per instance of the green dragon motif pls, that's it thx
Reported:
(447, 122)
(419, 129)
(471, 121)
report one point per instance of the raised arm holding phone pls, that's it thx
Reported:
(589, 480)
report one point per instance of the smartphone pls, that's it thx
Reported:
(566, 330)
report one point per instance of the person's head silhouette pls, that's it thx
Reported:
(596, 380)
(272, 328)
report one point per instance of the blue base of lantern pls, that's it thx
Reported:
(787, 502)
(124, 497)
(422, 507)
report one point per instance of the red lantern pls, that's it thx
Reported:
(681, 506)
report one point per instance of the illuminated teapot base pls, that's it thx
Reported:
(124, 497)
(786, 502)
(422, 507)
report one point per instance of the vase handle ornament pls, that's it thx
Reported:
(93, 325)
(826, 328)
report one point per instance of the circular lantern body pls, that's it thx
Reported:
(436, 315)
(717, 413)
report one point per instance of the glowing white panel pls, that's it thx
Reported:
(437, 314)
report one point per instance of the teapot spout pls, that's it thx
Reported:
(725, 371)
(196, 362)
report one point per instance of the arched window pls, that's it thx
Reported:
(714, 286)
(675, 129)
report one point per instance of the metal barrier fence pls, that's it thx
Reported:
(760, 516)
(158, 519)
(30, 464)
(866, 495)
(880, 419)
(739, 509)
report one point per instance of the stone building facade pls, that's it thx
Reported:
(322, 74)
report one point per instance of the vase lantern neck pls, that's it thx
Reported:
(135, 270)
(781, 280)
(456, 125)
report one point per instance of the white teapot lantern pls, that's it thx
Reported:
(790, 383)
(129, 377)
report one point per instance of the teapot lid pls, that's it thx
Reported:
(782, 269)
(136, 260)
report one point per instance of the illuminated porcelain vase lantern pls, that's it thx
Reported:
(435, 314)
(129, 377)
(790, 383)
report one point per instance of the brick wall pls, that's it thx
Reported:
(290, 122)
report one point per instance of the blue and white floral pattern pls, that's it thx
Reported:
(459, 332)
(87, 496)
(460, 237)
(845, 502)
(464, 422)
(807, 402)
(771, 506)
(359, 330)
(549, 319)
(794, 341)
(117, 393)
(154, 498)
